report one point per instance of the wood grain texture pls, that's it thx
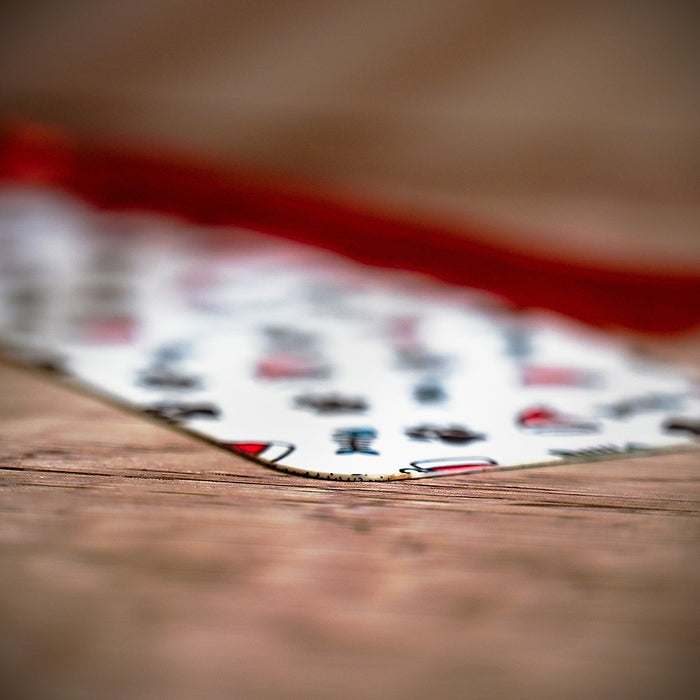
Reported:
(138, 563)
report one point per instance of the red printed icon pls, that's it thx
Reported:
(267, 451)
(451, 465)
(545, 420)
(107, 330)
(543, 375)
(292, 366)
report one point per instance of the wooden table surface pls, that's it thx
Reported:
(140, 563)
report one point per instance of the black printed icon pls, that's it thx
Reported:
(111, 260)
(27, 298)
(291, 354)
(177, 412)
(163, 377)
(643, 404)
(163, 372)
(355, 440)
(429, 391)
(171, 352)
(289, 339)
(46, 362)
(52, 365)
(418, 358)
(599, 450)
(331, 403)
(518, 341)
(102, 294)
(683, 425)
(453, 434)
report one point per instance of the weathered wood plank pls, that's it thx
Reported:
(137, 562)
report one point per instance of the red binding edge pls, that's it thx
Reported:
(126, 179)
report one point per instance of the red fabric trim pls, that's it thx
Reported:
(117, 179)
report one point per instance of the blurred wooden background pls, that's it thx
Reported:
(135, 562)
(577, 122)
